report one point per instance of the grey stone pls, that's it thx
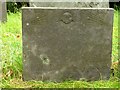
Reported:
(3, 11)
(66, 44)
(90, 4)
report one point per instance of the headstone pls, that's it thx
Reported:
(66, 43)
(71, 3)
(3, 11)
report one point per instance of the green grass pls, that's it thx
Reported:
(11, 55)
(115, 38)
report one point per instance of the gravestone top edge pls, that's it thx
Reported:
(65, 8)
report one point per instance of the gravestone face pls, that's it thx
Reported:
(3, 11)
(90, 4)
(66, 44)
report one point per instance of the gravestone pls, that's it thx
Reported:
(66, 43)
(71, 3)
(3, 11)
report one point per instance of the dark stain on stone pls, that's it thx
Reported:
(44, 59)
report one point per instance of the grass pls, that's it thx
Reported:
(11, 55)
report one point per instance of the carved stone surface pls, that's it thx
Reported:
(67, 44)
(90, 4)
(3, 11)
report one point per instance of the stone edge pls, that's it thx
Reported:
(64, 8)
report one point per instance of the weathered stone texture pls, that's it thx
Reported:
(61, 44)
(90, 4)
(3, 11)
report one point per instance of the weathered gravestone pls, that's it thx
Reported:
(3, 11)
(71, 3)
(66, 43)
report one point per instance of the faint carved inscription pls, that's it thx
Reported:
(67, 18)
